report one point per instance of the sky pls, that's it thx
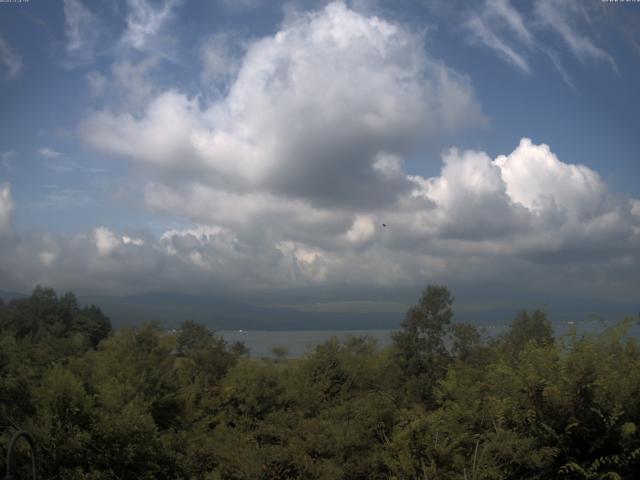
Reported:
(255, 148)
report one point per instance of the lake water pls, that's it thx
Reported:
(260, 342)
(298, 342)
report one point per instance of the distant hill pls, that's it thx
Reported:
(171, 309)
(8, 296)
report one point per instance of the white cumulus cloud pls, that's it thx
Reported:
(537, 179)
(525, 220)
(289, 174)
(105, 241)
(331, 90)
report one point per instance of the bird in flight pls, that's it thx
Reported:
(384, 225)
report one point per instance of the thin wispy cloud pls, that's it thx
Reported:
(482, 32)
(82, 30)
(47, 152)
(500, 27)
(9, 58)
(65, 198)
(561, 17)
(219, 63)
(97, 82)
(146, 26)
(242, 4)
(557, 63)
(502, 12)
(6, 208)
(7, 158)
(55, 197)
(132, 81)
(56, 161)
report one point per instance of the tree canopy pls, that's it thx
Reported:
(442, 401)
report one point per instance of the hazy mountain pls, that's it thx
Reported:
(173, 308)
(8, 296)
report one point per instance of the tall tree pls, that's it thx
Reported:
(526, 328)
(420, 346)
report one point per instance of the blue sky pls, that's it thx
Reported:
(206, 145)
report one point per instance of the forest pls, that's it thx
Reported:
(443, 401)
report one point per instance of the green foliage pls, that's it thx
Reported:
(280, 352)
(420, 346)
(527, 328)
(45, 316)
(440, 402)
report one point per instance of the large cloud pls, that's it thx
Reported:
(523, 203)
(312, 114)
(289, 176)
(525, 221)
(536, 178)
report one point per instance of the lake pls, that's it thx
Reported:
(260, 342)
(298, 342)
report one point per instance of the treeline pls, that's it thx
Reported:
(442, 402)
